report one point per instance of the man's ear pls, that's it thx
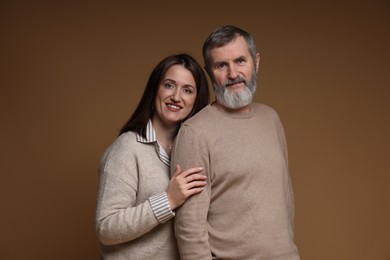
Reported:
(257, 61)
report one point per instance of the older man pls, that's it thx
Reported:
(247, 211)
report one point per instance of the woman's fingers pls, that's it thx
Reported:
(195, 177)
(196, 184)
(191, 171)
(194, 191)
(185, 184)
(189, 175)
(177, 171)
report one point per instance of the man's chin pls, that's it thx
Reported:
(235, 105)
(236, 87)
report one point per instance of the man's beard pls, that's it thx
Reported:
(236, 100)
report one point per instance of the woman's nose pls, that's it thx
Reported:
(176, 96)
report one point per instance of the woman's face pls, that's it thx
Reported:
(176, 95)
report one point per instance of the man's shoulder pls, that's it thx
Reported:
(199, 118)
(261, 108)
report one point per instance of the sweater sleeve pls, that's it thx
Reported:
(191, 218)
(119, 220)
(290, 192)
(119, 217)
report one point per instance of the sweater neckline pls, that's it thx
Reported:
(233, 115)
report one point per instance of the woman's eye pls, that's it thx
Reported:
(188, 91)
(168, 85)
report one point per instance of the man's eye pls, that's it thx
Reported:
(221, 66)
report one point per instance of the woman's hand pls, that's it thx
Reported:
(185, 184)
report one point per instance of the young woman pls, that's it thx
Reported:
(137, 198)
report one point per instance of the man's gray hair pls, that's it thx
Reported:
(222, 36)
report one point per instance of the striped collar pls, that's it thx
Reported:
(152, 138)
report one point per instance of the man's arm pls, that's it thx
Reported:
(191, 227)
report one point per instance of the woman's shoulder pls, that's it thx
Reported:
(123, 146)
(124, 141)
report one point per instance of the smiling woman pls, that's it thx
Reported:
(137, 198)
(175, 99)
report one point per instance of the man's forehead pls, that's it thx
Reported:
(230, 51)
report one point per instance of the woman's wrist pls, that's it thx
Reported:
(160, 207)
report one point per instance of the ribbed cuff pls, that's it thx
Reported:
(160, 207)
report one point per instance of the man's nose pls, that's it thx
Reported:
(233, 72)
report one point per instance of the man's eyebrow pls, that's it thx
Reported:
(241, 58)
(219, 62)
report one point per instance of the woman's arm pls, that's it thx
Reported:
(118, 223)
(118, 220)
(123, 214)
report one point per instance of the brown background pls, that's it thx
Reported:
(72, 73)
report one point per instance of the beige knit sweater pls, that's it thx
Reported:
(130, 174)
(246, 211)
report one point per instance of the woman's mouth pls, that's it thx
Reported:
(174, 107)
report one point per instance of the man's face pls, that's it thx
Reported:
(234, 74)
